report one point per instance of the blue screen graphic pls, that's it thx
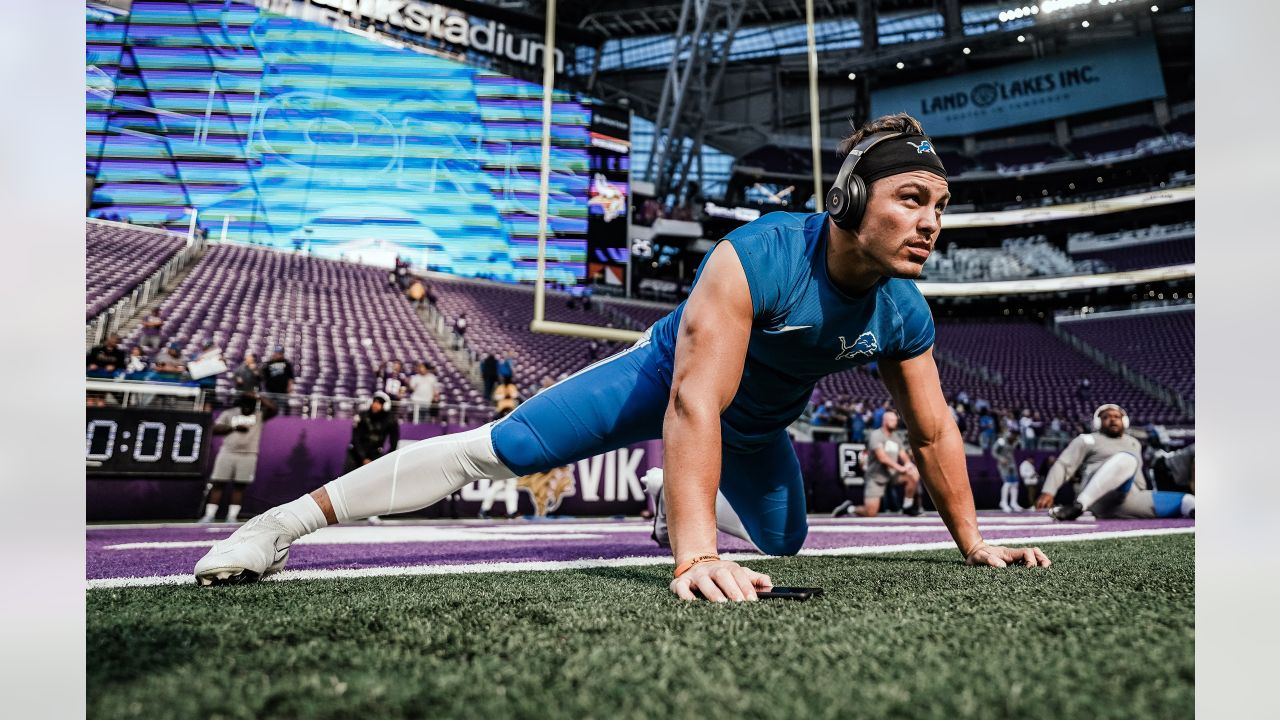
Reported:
(307, 137)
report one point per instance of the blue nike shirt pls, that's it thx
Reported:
(803, 327)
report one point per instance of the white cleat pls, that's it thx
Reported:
(653, 485)
(258, 549)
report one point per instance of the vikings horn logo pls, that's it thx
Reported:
(547, 489)
(864, 346)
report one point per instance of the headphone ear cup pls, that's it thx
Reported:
(838, 204)
(857, 202)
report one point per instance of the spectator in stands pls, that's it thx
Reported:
(506, 397)
(426, 391)
(402, 273)
(507, 368)
(877, 417)
(1082, 389)
(593, 351)
(489, 374)
(237, 459)
(962, 398)
(961, 413)
(106, 359)
(137, 362)
(170, 364)
(374, 433)
(392, 380)
(152, 326)
(459, 331)
(545, 383)
(246, 378)
(1027, 428)
(417, 292)
(858, 422)
(277, 378)
(823, 415)
(432, 297)
(986, 429)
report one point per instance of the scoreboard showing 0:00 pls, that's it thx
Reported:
(139, 442)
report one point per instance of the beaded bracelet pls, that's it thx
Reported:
(684, 566)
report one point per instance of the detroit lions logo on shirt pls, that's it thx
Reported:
(923, 147)
(865, 345)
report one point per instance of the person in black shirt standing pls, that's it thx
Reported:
(374, 430)
(277, 378)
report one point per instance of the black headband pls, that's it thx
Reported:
(899, 155)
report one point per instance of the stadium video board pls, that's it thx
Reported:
(301, 136)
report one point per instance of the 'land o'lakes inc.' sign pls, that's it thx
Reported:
(1029, 92)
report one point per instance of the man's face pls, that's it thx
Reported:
(1112, 422)
(890, 421)
(903, 221)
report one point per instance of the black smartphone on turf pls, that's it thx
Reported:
(789, 593)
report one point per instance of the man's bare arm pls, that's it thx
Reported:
(710, 351)
(939, 451)
(936, 440)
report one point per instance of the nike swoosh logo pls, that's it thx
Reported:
(786, 328)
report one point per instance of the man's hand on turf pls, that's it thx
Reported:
(720, 581)
(999, 556)
(1044, 501)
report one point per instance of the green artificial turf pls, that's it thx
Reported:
(1107, 632)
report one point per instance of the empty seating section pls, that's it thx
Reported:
(1039, 371)
(1159, 345)
(1145, 255)
(338, 322)
(118, 259)
(498, 319)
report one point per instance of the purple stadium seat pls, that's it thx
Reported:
(118, 259)
(338, 321)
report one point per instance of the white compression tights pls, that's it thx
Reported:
(1113, 473)
(417, 476)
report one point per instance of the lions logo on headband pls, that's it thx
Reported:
(923, 147)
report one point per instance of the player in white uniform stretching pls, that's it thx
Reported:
(1109, 462)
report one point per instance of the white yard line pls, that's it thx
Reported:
(532, 566)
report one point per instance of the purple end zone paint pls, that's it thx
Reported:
(102, 562)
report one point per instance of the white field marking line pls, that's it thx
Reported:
(591, 525)
(374, 536)
(380, 535)
(536, 566)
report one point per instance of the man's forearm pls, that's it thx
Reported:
(946, 475)
(691, 448)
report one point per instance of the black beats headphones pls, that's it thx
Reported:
(847, 198)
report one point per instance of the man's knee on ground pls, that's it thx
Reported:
(519, 448)
(782, 543)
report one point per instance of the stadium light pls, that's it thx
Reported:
(1022, 38)
(901, 65)
(1155, 8)
(966, 51)
(1052, 6)
(853, 76)
(1084, 23)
